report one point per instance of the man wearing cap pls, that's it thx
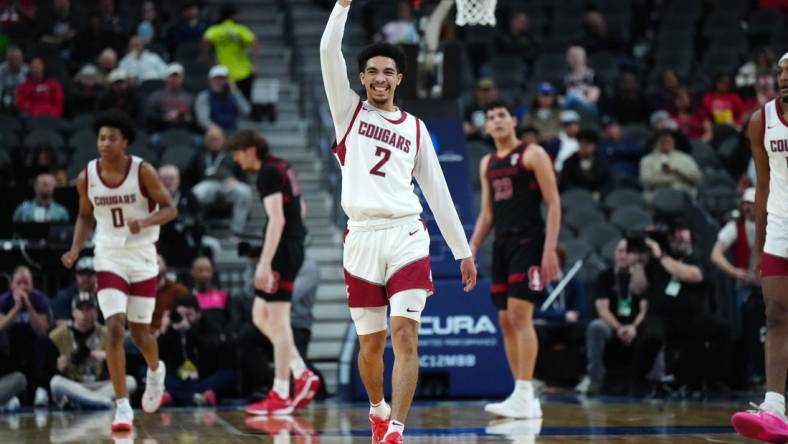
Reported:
(567, 138)
(83, 96)
(141, 64)
(623, 155)
(585, 169)
(120, 95)
(170, 107)
(82, 379)
(84, 282)
(222, 103)
(473, 125)
(544, 114)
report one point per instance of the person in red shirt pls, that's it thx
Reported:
(723, 105)
(693, 121)
(39, 96)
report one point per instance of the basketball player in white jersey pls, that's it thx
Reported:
(768, 133)
(128, 202)
(380, 149)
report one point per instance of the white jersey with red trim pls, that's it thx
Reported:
(113, 206)
(382, 152)
(775, 140)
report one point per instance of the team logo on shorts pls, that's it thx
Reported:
(535, 279)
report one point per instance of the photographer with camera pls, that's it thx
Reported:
(83, 379)
(619, 298)
(199, 357)
(678, 318)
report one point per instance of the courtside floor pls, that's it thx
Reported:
(567, 420)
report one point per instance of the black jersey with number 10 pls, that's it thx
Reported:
(515, 194)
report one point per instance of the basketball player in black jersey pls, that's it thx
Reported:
(280, 260)
(516, 178)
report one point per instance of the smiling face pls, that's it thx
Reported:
(380, 79)
(499, 124)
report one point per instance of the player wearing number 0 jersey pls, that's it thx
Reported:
(768, 133)
(123, 194)
(380, 149)
(515, 179)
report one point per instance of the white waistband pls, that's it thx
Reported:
(381, 224)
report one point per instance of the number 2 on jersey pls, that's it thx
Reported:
(380, 151)
(117, 217)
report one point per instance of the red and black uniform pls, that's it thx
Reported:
(519, 228)
(277, 176)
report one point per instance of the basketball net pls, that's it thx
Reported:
(475, 12)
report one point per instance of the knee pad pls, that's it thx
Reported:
(409, 303)
(368, 320)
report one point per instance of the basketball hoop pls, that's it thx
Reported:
(475, 12)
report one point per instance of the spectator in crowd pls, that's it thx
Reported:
(181, 239)
(167, 290)
(723, 105)
(82, 380)
(559, 327)
(42, 208)
(39, 95)
(580, 82)
(621, 305)
(17, 18)
(693, 121)
(24, 318)
(149, 28)
(669, 85)
(739, 234)
(667, 167)
(42, 159)
(91, 40)
(519, 39)
(585, 168)
(473, 123)
(528, 135)
(110, 19)
(763, 91)
(84, 283)
(141, 64)
(628, 104)
(107, 62)
(12, 73)
(188, 30)
(762, 61)
(170, 107)
(545, 114)
(222, 104)
(677, 315)
(214, 302)
(59, 29)
(11, 385)
(221, 180)
(567, 143)
(622, 155)
(85, 93)
(197, 353)
(403, 29)
(120, 95)
(233, 44)
(598, 36)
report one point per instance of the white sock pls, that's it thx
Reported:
(524, 387)
(381, 409)
(297, 366)
(282, 387)
(775, 398)
(122, 402)
(395, 426)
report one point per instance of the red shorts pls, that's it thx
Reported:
(773, 265)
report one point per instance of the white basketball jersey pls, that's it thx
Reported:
(113, 206)
(378, 155)
(775, 140)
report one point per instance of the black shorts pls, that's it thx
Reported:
(516, 268)
(285, 265)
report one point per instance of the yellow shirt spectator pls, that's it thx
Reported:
(231, 42)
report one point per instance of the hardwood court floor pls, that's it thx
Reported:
(448, 422)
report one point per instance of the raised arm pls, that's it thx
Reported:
(84, 222)
(755, 132)
(341, 99)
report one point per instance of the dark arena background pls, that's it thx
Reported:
(642, 106)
